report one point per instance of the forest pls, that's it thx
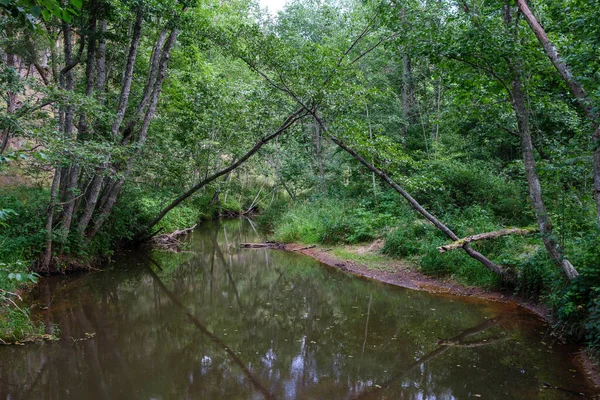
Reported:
(463, 136)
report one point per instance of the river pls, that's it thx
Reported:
(220, 322)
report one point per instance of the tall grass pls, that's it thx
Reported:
(328, 221)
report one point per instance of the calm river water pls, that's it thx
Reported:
(219, 322)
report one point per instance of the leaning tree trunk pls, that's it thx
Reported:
(576, 89)
(535, 189)
(533, 181)
(497, 269)
(290, 120)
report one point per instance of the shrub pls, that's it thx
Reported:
(327, 221)
(22, 234)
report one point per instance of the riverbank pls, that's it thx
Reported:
(364, 261)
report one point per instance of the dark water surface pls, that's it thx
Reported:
(224, 323)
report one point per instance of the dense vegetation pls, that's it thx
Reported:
(342, 121)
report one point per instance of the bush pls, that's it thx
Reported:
(137, 207)
(457, 185)
(22, 234)
(327, 221)
(16, 325)
(592, 325)
(420, 240)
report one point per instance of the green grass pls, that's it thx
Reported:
(408, 237)
(373, 261)
(15, 325)
(328, 221)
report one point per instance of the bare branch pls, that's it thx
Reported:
(485, 236)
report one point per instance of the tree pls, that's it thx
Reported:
(576, 89)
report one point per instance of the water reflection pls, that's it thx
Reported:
(218, 322)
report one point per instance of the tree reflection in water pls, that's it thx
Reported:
(218, 322)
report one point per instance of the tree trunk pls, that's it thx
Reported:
(66, 124)
(485, 236)
(156, 54)
(109, 196)
(47, 257)
(111, 199)
(290, 120)
(430, 217)
(319, 149)
(73, 177)
(406, 94)
(118, 186)
(128, 74)
(11, 104)
(69, 83)
(70, 198)
(576, 89)
(90, 204)
(371, 139)
(101, 60)
(535, 189)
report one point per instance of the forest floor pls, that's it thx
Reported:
(365, 261)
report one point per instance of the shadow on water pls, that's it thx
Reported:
(218, 322)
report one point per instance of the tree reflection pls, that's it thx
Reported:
(226, 323)
(198, 324)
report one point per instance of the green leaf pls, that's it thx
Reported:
(36, 11)
(66, 16)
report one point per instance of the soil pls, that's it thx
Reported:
(402, 274)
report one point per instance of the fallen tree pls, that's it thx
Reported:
(505, 273)
(170, 241)
(485, 236)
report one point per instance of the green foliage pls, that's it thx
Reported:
(418, 240)
(21, 230)
(424, 94)
(592, 325)
(15, 324)
(449, 185)
(28, 12)
(137, 207)
(328, 220)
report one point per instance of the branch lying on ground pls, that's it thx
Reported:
(169, 241)
(485, 236)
